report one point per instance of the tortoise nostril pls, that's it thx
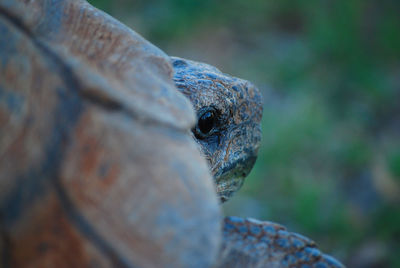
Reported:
(178, 63)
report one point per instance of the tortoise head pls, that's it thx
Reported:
(228, 130)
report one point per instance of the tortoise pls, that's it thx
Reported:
(99, 166)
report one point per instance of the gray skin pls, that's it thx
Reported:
(228, 130)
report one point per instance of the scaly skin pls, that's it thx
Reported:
(232, 144)
(253, 243)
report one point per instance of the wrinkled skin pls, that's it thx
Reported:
(228, 129)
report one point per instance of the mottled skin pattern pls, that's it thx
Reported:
(253, 243)
(231, 145)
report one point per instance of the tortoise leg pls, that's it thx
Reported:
(253, 243)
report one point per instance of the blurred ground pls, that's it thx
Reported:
(329, 166)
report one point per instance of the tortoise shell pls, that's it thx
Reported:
(89, 120)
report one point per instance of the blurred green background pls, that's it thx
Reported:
(329, 70)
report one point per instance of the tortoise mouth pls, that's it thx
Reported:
(229, 179)
(226, 188)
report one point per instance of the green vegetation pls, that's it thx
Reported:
(329, 166)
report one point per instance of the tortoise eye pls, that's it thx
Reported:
(206, 124)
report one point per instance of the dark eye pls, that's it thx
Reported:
(205, 124)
